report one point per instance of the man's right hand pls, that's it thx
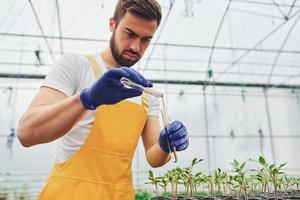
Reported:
(109, 90)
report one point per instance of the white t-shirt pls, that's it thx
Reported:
(71, 74)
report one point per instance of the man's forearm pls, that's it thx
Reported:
(45, 123)
(157, 157)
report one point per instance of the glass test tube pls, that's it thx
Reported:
(130, 84)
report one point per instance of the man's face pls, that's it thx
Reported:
(130, 38)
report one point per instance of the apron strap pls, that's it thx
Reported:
(95, 66)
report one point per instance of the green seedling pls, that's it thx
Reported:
(272, 171)
(262, 177)
(296, 182)
(199, 179)
(219, 178)
(286, 181)
(188, 178)
(174, 176)
(235, 184)
(163, 182)
(239, 171)
(232, 185)
(154, 181)
(254, 182)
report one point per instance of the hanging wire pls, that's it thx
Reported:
(255, 13)
(263, 3)
(279, 9)
(261, 141)
(41, 29)
(207, 135)
(217, 35)
(59, 27)
(10, 139)
(37, 54)
(8, 12)
(9, 89)
(188, 10)
(12, 135)
(52, 27)
(172, 2)
(281, 47)
(257, 44)
(210, 72)
(12, 22)
(291, 8)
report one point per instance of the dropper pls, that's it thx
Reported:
(130, 84)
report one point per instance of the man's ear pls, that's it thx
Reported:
(112, 24)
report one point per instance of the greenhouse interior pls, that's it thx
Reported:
(228, 71)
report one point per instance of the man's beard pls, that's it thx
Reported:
(118, 55)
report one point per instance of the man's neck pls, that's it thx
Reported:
(108, 58)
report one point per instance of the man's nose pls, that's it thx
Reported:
(135, 45)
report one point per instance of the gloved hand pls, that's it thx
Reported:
(109, 90)
(177, 136)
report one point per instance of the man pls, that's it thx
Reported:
(82, 103)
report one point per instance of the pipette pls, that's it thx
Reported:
(130, 84)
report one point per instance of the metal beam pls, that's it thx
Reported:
(176, 82)
(154, 43)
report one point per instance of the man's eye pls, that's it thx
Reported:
(146, 39)
(131, 35)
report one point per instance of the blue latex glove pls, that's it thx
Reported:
(109, 90)
(177, 136)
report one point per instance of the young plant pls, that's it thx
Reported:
(224, 181)
(154, 181)
(296, 182)
(204, 180)
(210, 184)
(232, 185)
(254, 182)
(239, 170)
(199, 179)
(262, 177)
(188, 179)
(287, 182)
(173, 177)
(219, 179)
(163, 182)
(273, 172)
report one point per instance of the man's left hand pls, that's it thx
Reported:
(177, 136)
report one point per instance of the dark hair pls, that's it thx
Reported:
(147, 9)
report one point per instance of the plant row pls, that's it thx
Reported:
(240, 182)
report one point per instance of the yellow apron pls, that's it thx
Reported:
(101, 169)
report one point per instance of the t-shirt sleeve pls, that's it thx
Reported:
(62, 75)
(154, 106)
